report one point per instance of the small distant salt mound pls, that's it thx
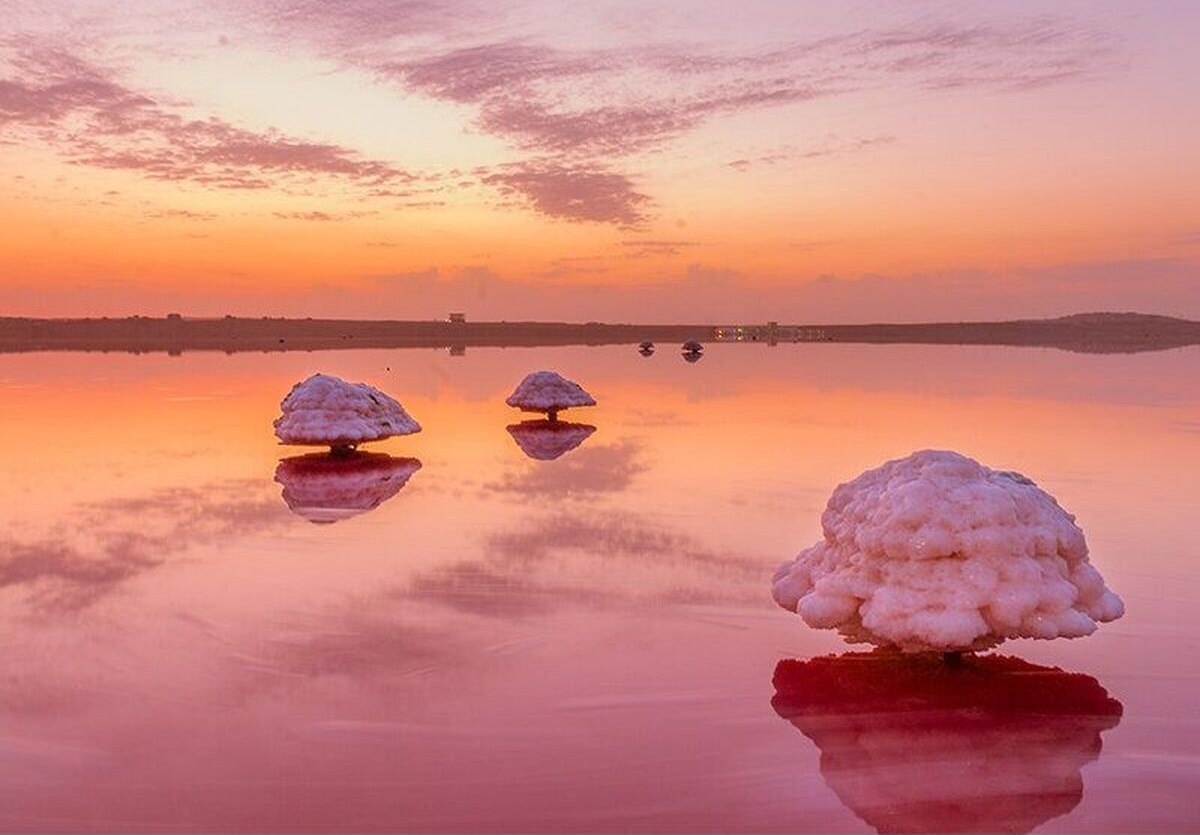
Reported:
(327, 411)
(936, 552)
(548, 392)
(324, 489)
(546, 440)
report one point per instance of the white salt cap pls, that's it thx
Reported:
(326, 411)
(937, 552)
(548, 391)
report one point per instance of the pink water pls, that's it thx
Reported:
(580, 644)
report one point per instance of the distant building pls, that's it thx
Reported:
(458, 318)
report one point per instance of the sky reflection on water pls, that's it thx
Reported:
(581, 642)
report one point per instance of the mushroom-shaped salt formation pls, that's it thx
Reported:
(545, 440)
(936, 552)
(548, 392)
(646, 349)
(908, 744)
(326, 411)
(692, 347)
(325, 489)
(692, 357)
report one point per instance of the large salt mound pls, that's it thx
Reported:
(937, 552)
(549, 392)
(327, 411)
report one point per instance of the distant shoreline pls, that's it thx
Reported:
(1088, 332)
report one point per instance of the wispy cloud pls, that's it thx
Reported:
(585, 116)
(86, 114)
(322, 217)
(573, 192)
(593, 107)
(182, 214)
(651, 248)
(831, 146)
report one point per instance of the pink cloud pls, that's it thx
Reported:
(590, 102)
(833, 146)
(93, 120)
(572, 192)
(1011, 57)
(320, 216)
(475, 73)
(589, 106)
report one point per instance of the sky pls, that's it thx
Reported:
(608, 160)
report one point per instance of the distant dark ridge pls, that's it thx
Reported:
(1082, 332)
(231, 334)
(1109, 317)
(1086, 332)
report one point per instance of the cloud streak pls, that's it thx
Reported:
(83, 112)
(585, 109)
(572, 192)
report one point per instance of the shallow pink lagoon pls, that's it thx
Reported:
(465, 636)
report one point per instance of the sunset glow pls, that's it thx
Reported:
(616, 161)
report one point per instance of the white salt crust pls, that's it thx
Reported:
(937, 552)
(548, 391)
(326, 411)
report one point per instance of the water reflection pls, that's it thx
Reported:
(325, 489)
(592, 472)
(545, 440)
(911, 745)
(105, 544)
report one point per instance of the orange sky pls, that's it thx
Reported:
(798, 161)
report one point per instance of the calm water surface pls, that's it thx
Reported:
(197, 636)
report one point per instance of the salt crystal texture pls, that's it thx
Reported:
(549, 392)
(937, 552)
(545, 440)
(325, 489)
(326, 411)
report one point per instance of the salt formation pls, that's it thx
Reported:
(937, 552)
(325, 489)
(327, 411)
(548, 392)
(692, 347)
(911, 745)
(545, 440)
(646, 348)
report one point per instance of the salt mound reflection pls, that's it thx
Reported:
(545, 440)
(325, 488)
(910, 744)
